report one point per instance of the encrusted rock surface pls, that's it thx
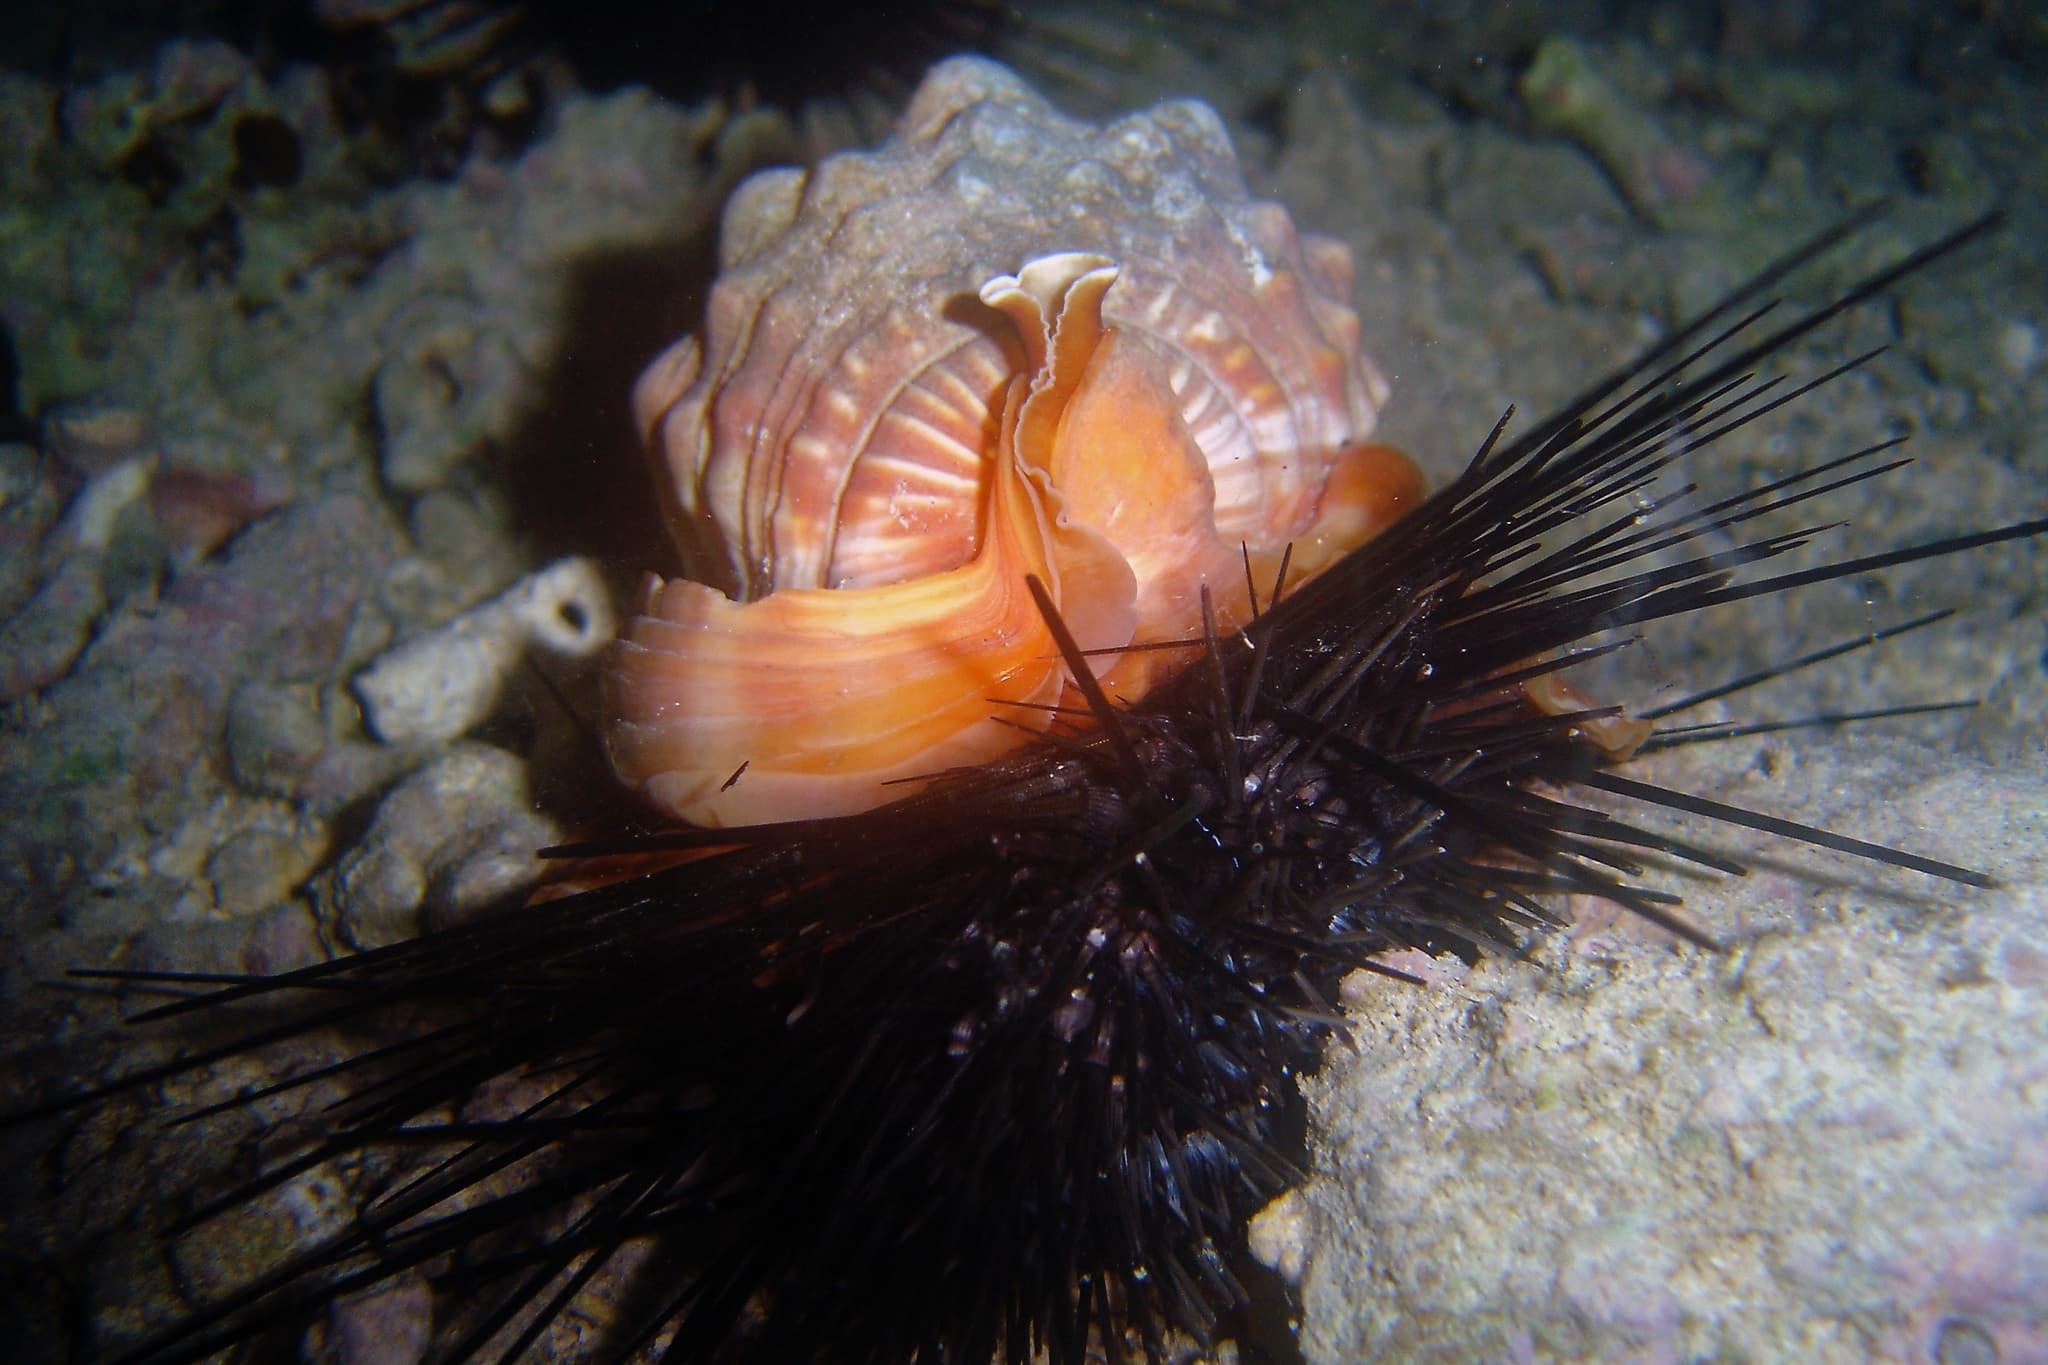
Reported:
(179, 743)
(1828, 1143)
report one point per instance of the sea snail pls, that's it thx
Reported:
(1003, 343)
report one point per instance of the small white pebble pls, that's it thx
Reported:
(89, 521)
(1278, 1236)
(2019, 347)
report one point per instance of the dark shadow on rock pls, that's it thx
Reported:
(581, 482)
(578, 475)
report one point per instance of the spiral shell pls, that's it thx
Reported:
(1003, 343)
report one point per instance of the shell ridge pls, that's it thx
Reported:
(764, 205)
(778, 552)
(1241, 460)
(879, 413)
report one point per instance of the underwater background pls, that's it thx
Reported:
(318, 324)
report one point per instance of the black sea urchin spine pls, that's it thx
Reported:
(1006, 1066)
